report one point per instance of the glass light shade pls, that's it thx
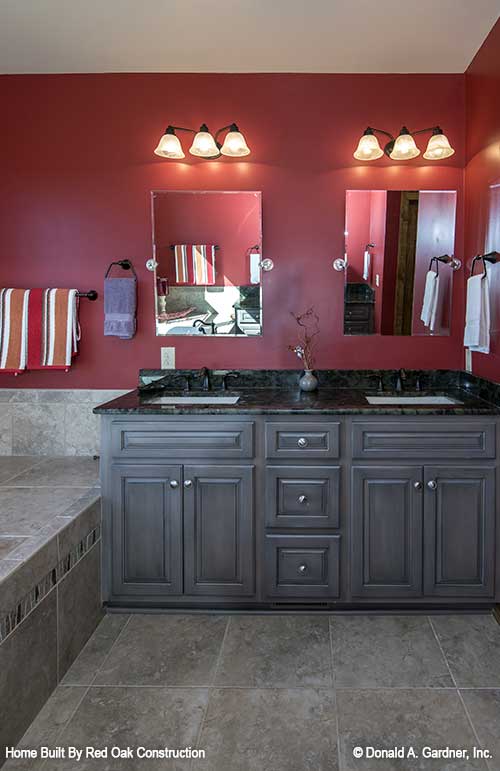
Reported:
(204, 145)
(235, 145)
(368, 148)
(438, 148)
(404, 148)
(169, 147)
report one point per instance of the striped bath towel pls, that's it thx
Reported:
(195, 264)
(14, 329)
(59, 329)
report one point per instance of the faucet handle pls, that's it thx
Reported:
(227, 375)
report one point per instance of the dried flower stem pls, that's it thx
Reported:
(309, 329)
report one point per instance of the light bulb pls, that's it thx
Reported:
(404, 147)
(234, 144)
(204, 144)
(438, 147)
(368, 148)
(169, 145)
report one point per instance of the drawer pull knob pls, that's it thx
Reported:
(302, 499)
(417, 485)
(174, 484)
(302, 442)
(302, 570)
(432, 485)
(188, 483)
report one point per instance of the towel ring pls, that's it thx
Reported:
(453, 262)
(124, 264)
(491, 257)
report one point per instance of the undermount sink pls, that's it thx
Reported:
(194, 400)
(411, 400)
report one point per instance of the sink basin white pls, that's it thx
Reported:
(195, 400)
(411, 400)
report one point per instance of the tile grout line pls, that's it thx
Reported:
(86, 688)
(25, 471)
(63, 728)
(457, 689)
(340, 762)
(210, 688)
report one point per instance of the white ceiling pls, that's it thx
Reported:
(242, 35)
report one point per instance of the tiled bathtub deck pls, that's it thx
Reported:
(276, 693)
(50, 520)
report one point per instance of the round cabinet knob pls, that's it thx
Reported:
(432, 485)
(417, 485)
(302, 570)
(302, 442)
(188, 483)
(174, 484)
(302, 498)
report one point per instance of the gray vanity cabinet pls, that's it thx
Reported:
(183, 530)
(437, 518)
(219, 530)
(459, 527)
(147, 530)
(386, 531)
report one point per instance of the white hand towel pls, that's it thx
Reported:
(366, 265)
(430, 301)
(255, 259)
(477, 317)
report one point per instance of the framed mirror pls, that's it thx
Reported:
(208, 250)
(394, 283)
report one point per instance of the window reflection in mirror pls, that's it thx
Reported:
(390, 238)
(208, 248)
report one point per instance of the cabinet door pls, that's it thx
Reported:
(387, 531)
(459, 531)
(147, 530)
(219, 530)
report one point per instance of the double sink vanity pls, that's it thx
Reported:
(366, 493)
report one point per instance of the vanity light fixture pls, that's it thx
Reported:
(204, 144)
(403, 147)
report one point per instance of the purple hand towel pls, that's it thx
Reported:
(120, 306)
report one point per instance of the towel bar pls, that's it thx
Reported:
(90, 295)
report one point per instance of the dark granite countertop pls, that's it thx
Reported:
(263, 401)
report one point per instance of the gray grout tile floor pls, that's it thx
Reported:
(269, 693)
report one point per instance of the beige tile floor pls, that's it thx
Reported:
(269, 693)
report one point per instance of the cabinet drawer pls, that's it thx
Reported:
(439, 438)
(182, 439)
(302, 566)
(357, 312)
(302, 496)
(295, 440)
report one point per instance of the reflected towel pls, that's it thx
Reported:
(366, 265)
(14, 329)
(431, 300)
(195, 264)
(120, 307)
(477, 317)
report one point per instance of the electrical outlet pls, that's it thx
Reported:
(168, 358)
(377, 280)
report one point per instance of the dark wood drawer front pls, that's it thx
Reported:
(307, 440)
(357, 312)
(303, 566)
(182, 440)
(443, 439)
(302, 496)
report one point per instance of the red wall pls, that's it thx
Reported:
(482, 223)
(76, 153)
